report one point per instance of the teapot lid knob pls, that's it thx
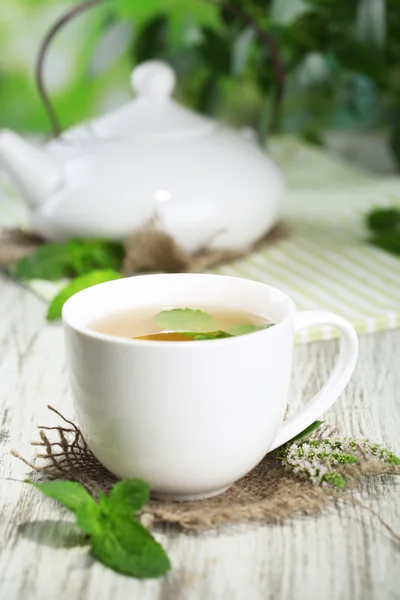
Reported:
(153, 79)
(153, 114)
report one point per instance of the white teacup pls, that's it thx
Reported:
(191, 418)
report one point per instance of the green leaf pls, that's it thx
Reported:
(53, 260)
(335, 479)
(90, 518)
(243, 329)
(71, 494)
(306, 432)
(128, 496)
(211, 335)
(186, 319)
(152, 40)
(117, 539)
(87, 255)
(185, 23)
(125, 546)
(200, 12)
(389, 241)
(76, 285)
(383, 219)
(215, 51)
(312, 136)
(241, 50)
(50, 261)
(361, 58)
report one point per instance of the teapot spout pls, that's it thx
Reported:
(35, 174)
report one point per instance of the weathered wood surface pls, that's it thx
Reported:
(343, 555)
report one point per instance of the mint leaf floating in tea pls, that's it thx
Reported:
(116, 537)
(198, 325)
(76, 285)
(186, 320)
(244, 328)
(212, 335)
(235, 331)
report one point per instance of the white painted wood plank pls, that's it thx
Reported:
(343, 555)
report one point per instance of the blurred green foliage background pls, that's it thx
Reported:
(341, 57)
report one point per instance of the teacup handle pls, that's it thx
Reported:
(336, 383)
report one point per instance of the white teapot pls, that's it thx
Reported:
(206, 184)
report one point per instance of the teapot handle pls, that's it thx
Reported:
(237, 12)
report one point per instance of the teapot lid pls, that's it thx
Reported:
(153, 113)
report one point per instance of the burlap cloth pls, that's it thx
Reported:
(270, 493)
(147, 250)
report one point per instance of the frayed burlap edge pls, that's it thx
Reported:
(270, 493)
(148, 250)
(151, 249)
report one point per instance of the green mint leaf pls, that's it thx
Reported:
(241, 329)
(53, 260)
(210, 335)
(335, 479)
(244, 328)
(306, 432)
(117, 539)
(71, 494)
(125, 546)
(87, 255)
(76, 285)
(213, 335)
(90, 518)
(49, 261)
(186, 319)
(128, 496)
(389, 241)
(384, 219)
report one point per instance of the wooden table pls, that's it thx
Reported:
(343, 555)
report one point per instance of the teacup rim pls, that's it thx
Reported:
(105, 337)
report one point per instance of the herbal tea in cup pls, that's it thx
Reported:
(181, 324)
(190, 418)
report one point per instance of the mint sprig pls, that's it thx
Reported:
(55, 260)
(117, 538)
(209, 335)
